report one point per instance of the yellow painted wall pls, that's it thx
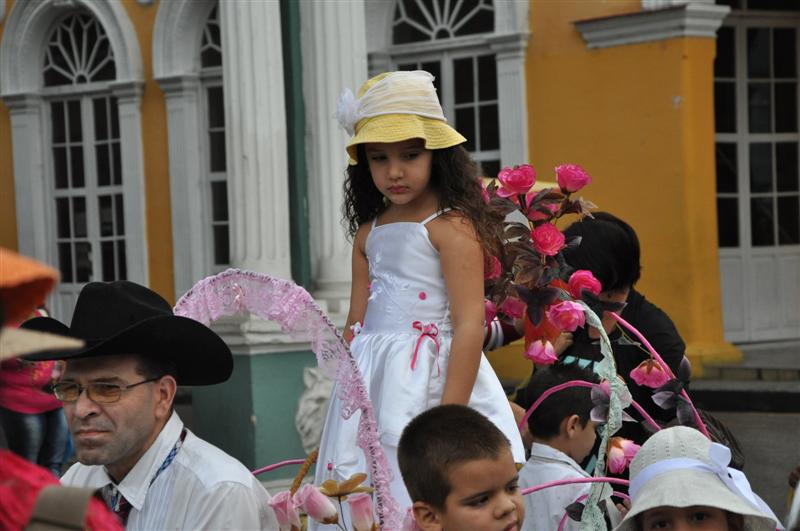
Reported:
(8, 209)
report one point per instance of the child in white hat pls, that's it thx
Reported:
(680, 480)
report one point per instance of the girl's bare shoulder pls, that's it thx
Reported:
(452, 227)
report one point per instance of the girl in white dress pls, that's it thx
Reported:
(420, 230)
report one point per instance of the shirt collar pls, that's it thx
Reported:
(137, 481)
(548, 453)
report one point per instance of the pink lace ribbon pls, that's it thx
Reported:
(431, 331)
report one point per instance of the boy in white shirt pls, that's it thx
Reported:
(563, 436)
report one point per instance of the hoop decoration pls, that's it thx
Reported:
(236, 292)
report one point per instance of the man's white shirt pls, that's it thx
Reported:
(203, 488)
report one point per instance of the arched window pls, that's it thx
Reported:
(86, 178)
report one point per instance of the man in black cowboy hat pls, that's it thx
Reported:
(118, 394)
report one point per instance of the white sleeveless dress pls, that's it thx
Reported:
(402, 351)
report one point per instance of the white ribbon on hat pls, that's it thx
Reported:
(720, 456)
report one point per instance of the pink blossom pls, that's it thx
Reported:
(316, 505)
(650, 374)
(541, 353)
(620, 454)
(583, 279)
(547, 239)
(572, 177)
(285, 511)
(484, 191)
(491, 311)
(513, 307)
(361, 514)
(492, 268)
(535, 215)
(567, 316)
(515, 181)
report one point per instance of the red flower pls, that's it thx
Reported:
(547, 239)
(583, 279)
(650, 374)
(492, 268)
(620, 454)
(513, 307)
(515, 181)
(572, 177)
(541, 353)
(568, 316)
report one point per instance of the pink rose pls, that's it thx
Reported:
(491, 311)
(650, 374)
(620, 454)
(285, 512)
(547, 239)
(572, 177)
(492, 268)
(316, 505)
(513, 307)
(567, 316)
(515, 181)
(583, 279)
(361, 511)
(535, 215)
(541, 353)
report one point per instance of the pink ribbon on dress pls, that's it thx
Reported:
(431, 331)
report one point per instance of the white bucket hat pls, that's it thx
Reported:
(680, 467)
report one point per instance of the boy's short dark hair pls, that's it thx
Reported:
(609, 248)
(440, 438)
(545, 421)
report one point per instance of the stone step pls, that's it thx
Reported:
(747, 395)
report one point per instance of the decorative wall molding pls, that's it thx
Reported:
(693, 19)
(660, 4)
(176, 36)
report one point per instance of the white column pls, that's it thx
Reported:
(255, 127)
(510, 58)
(334, 56)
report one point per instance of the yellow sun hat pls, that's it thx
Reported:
(393, 107)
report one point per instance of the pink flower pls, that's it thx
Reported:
(583, 279)
(535, 215)
(547, 239)
(492, 268)
(484, 191)
(567, 316)
(572, 177)
(361, 511)
(513, 307)
(285, 511)
(491, 311)
(650, 374)
(541, 353)
(516, 180)
(620, 454)
(316, 505)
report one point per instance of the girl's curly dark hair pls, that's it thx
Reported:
(454, 178)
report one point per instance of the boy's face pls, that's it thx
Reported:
(582, 440)
(485, 496)
(695, 518)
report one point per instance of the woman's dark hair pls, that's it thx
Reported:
(454, 178)
(609, 248)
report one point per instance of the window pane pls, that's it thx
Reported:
(786, 166)
(219, 201)
(435, 68)
(784, 52)
(481, 22)
(407, 67)
(221, 246)
(57, 113)
(489, 128)
(114, 117)
(109, 272)
(490, 168)
(76, 161)
(464, 84)
(487, 78)
(60, 167)
(75, 133)
(789, 220)
(760, 168)
(758, 52)
(121, 260)
(761, 221)
(65, 261)
(217, 145)
(465, 124)
(115, 149)
(725, 107)
(725, 63)
(79, 217)
(100, 119)
(405, 33)
(62, 217)
(773, 5)
(103, 165)
(216, 107)
(83, 261)
(759, 103)
(106, 217)
(785, 107)
(120, 214)
(728, 221)
(726, 168)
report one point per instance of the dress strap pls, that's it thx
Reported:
(434, 216)
(374, 221)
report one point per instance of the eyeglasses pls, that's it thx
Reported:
(100, 392)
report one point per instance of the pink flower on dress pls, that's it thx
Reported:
(361, 513)
(423, 295)
(316, 505)
(649, 373)
(515, 181)
(572, 177)
(541, 353)
(492, 268)
(620, 454)
(513, 307)
(567, 316)
(583, 279)
(285, 511)
(547, 239)
(491, 311)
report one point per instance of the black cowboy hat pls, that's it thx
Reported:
(125, 318)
